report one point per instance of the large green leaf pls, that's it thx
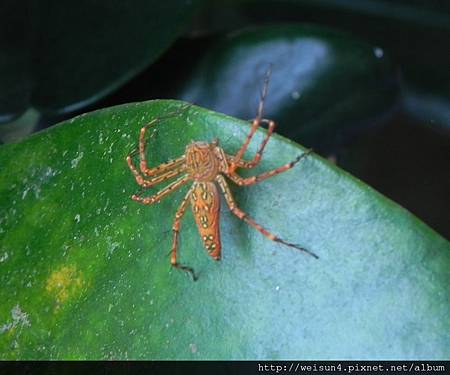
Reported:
(85, 270)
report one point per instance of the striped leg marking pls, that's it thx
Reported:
(255, 124)
(145, 183)
(241, 181)
(176, 229)
(241, 163)
(244, 216)
(162, 193)
(141, 147)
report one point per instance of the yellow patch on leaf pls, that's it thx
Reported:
(64, 284)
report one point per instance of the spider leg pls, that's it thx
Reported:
(156, 170)
(176, 229)
(141, 147)
(241, 163)
(141, 151)
(264, 91)
(254, 179)
(244, 216)
(162, 193)
(255, 124)
(154, 180)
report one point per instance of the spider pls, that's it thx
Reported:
(207, 164)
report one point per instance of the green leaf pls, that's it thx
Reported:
(68, 55)
(414, 34)
(14, 58)
(325, 85)
(85, 270)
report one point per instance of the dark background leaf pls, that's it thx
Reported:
(62, 56)
(324, 85)
(413, 33)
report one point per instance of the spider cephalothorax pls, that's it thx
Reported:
(206, 165)
(204, 160)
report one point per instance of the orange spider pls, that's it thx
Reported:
(206, 164)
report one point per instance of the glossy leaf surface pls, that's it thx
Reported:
(84, 270)
(325, 85)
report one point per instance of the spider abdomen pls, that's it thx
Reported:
(205, 205)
